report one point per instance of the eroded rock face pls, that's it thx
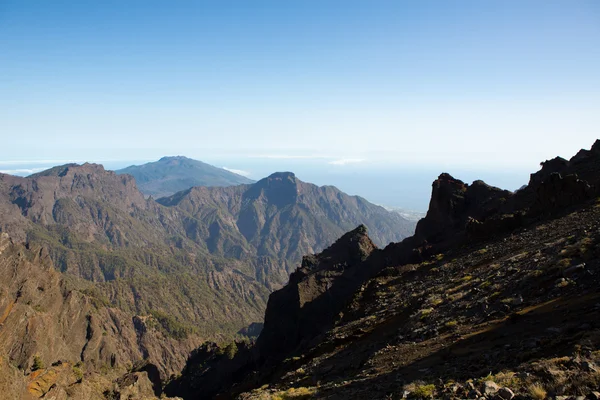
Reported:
(315, 294)
(458, 210)
(296, 314)
(46, 327)
(453, 204)
(558, 192)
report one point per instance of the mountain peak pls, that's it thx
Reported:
(285, 175)
(279, 180)
(172, 174)
(279, 188)
(175, 158)
(63, 170)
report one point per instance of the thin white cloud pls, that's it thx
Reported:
(288, 156)
(237, 171)
(34, 162)
(65, 161)
(345, 161)
(22, 171)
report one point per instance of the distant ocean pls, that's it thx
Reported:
(395, 186)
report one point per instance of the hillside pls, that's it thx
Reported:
(59, 338)
(190, 267)
(280, 217)
(170, 175)
(495, 296)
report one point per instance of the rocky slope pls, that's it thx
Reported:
(97, 226)
(56, 340)
(148, 280)
(281, 217)
(170, 175)
(494, 296)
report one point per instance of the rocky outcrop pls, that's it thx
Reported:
(315, 295)
(296, 315)
(458, 211)
(453, 204)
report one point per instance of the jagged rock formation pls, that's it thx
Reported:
(471, 292)
(170, 175)
(315, 294)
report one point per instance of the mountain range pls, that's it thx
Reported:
(105, 293)
(170, 175)
(494, 297)
(117, 279)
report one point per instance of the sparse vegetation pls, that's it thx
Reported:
(300, 393)
(425, 312)
(170, 326)
(37, 363)
(78, 372)
(421, 391)
(536, 391)
(451, 324)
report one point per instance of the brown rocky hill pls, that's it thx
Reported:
(495, 296)
(280, 217)
(97, 226)
(55, 338)
(150, 281)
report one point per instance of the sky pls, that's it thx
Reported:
(339, 88)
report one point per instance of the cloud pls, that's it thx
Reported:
(344, 161)
(22, 171)
(237, 171)
(289, 156)
(34, 162)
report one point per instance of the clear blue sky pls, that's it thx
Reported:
(482, 84)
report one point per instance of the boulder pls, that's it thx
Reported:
(505, 393)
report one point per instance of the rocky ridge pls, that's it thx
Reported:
(466, 308)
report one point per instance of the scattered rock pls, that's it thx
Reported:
(594, 396)
(574, 269)
(490, 388)
(588, 366)
(505, 393)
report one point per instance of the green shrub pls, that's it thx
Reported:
(231, 350)
(37, 363)
(78, 372)
(170, 326)
(423, 392)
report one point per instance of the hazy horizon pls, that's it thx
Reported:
(403, 187)
(344, 92)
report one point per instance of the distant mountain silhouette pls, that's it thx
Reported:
(170, 175)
